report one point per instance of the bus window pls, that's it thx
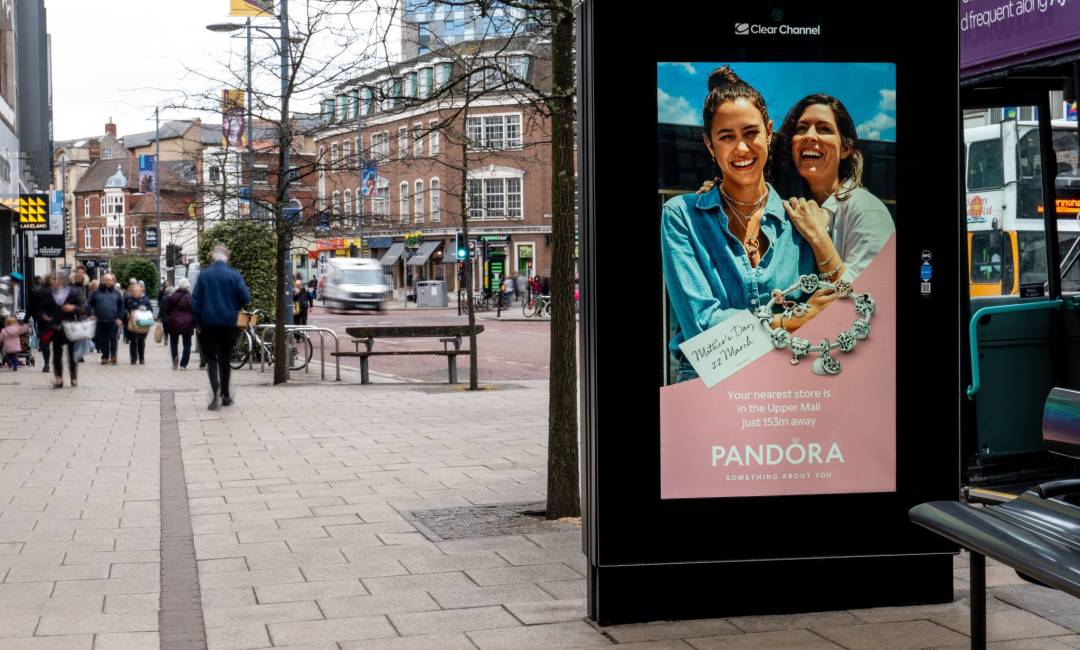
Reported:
(1032, 245)
(1070, 262)
(985, 170)
(1065, 147)
(985, 257)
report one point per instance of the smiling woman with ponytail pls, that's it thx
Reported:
(725, 250)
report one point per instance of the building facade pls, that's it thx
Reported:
(112, 216)
(429, 153)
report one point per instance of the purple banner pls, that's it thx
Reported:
(998, 33)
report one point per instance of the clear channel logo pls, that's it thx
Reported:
(748, 29)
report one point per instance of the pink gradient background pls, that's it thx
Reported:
(860, 415)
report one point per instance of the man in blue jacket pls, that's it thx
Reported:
(219, 295)
(106, 304)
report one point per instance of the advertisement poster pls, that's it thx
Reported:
(233, 119)
(778, 244)
(146, 173)
(252, 8)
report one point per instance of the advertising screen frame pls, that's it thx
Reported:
(651, 558)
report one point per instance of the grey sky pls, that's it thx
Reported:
(120, 58)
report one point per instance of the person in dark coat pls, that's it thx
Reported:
(219, 294)
(137, 333)
(40, 296)
(65, 304)
(163, 313)
(181, 321)
(107, 305)
(300, 297)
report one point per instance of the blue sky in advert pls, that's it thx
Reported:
(868, 90)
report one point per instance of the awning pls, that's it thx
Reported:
(393, 254)
(421, 256)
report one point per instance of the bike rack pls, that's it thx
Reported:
(321, 331)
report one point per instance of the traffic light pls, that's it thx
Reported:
(459, 244)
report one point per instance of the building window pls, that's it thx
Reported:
(425, 83)
(134, 242)
(333, 155)
(86, 207)
(494, 132)
(433, 137)
(87, 242)
(346, 155)
(381, 200)
(403, 194)
(358, 146)
(403, 143)
(215, 174)
(380, 146)
(260, 174)
(103, 210)
(436, 213)
(418, 202)
(335, 205)
(418, 140)
(112, 237)
(349, 216)
(495, 198)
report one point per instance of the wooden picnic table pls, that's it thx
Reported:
(447, 335)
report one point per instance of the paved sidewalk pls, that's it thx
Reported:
(309, 526)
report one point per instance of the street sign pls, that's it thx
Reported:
(33, 212)
(48, 246)
(291, 215)
(322, 221)
(150, 237)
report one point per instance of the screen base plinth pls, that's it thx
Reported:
(643, 593)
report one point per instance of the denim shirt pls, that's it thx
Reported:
(708, 274)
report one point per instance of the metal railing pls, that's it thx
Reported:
(321, 331)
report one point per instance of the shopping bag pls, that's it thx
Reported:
(79, 330)
(159, 333)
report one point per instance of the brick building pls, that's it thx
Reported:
(112, 215)
(409, 119)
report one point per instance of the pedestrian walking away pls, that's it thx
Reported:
(11, 336)
(140, 318)
(163, 313)
(301, 303)
(106, 304)
(181, 322)
(216, 302)
(521, 287)
(39, 294)
(64, 307)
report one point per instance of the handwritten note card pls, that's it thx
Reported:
(723, 349)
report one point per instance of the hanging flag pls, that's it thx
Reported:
(370, 176)
(233, 119)
(146, 173)
(254, 8)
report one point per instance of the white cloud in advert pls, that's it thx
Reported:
(872, 128)
(675, 110)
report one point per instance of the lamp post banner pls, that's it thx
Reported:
(233, 118)
(254, 8)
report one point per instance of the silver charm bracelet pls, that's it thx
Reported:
(800, 347)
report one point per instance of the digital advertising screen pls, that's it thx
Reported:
(779, 278)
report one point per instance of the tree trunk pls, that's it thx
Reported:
(281, 363)
(563, 492)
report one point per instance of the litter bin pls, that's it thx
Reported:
(431, 293)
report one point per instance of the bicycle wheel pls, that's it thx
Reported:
(547, 308)
(241, 350)
(300, 351)
(528, 309)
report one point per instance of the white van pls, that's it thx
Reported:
(355, 283)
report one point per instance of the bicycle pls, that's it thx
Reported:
(298, 347)
(539, 306)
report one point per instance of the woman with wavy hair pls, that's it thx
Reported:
(816, 162)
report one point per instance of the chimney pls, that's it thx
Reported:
(110, 128)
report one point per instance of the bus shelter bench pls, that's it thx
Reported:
(1037, 534)
(447, 335)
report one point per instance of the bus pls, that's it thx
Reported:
(1006, 238)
